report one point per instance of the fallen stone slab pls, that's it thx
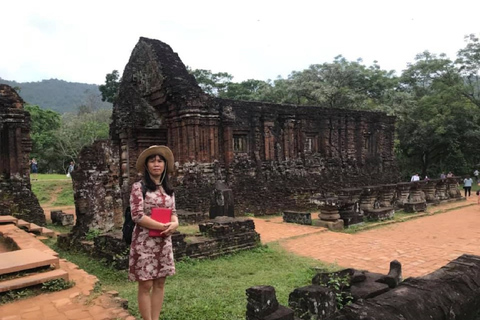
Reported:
(451, 292)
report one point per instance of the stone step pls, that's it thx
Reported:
(7, 219)
(47, 233)
(34, 228)
(33, 279)
(26, 259)
(22, 223)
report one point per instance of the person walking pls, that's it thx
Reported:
(475, 174)
(151, 258)
(467, 185)
(71, 166)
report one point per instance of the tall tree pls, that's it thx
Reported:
(109, 90)
(81, 129)
(439, 130)
(44, 124)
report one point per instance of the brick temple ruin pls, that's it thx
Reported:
(272, 156)
(16, 195)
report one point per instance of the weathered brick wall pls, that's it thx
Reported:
(98, 203)
(16, 197)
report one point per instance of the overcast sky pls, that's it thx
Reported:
(82, 41)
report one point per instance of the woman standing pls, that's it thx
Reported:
(151, 258)
(34, 166)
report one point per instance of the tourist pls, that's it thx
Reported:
(71, 166)
(34, 167)
(415, 177)
(450, 174)
(151, 258)
(467, 185)
(442, 175)
(475, 174)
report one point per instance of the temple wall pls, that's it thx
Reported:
(272, 156)
(98, 202)
(16, 197)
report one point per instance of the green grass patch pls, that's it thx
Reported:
(45, 188)
(48, 176)
(65, 197)
(189, 229)
(49, 286)
(213, 289)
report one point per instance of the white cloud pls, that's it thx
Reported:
(261, 39)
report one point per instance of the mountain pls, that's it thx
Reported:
(59, 95)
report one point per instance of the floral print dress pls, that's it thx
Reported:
(150, 257)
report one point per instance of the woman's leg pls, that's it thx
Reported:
(157, 297)
(144, 305)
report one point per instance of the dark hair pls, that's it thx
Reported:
(150, 184)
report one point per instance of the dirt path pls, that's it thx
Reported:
(49, 207)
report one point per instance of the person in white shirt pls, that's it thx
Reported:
(415, 177)
(467, 185)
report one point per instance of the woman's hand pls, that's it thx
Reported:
(171, 227)
(162, 226)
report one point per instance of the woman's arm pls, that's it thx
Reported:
(149, 223)
(137, 210)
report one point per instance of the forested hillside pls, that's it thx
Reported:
(59, 95)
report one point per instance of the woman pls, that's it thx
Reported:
(151, 258)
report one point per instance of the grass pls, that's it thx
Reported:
(212, 289)
(48, 176)
(49, 185)
(189, 229)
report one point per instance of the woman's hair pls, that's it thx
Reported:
(150, 184)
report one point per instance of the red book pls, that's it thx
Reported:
(163, 215)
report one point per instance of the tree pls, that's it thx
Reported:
(439, 130)
(109, 90)
(342, 84)
(211, 83)
(251, 89)
(468, 64)
(44, 124)
(82, 129)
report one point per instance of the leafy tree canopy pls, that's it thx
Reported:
(44, 124)
(109, 90)
(211, 83)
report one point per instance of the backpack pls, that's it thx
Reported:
(128, 224)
